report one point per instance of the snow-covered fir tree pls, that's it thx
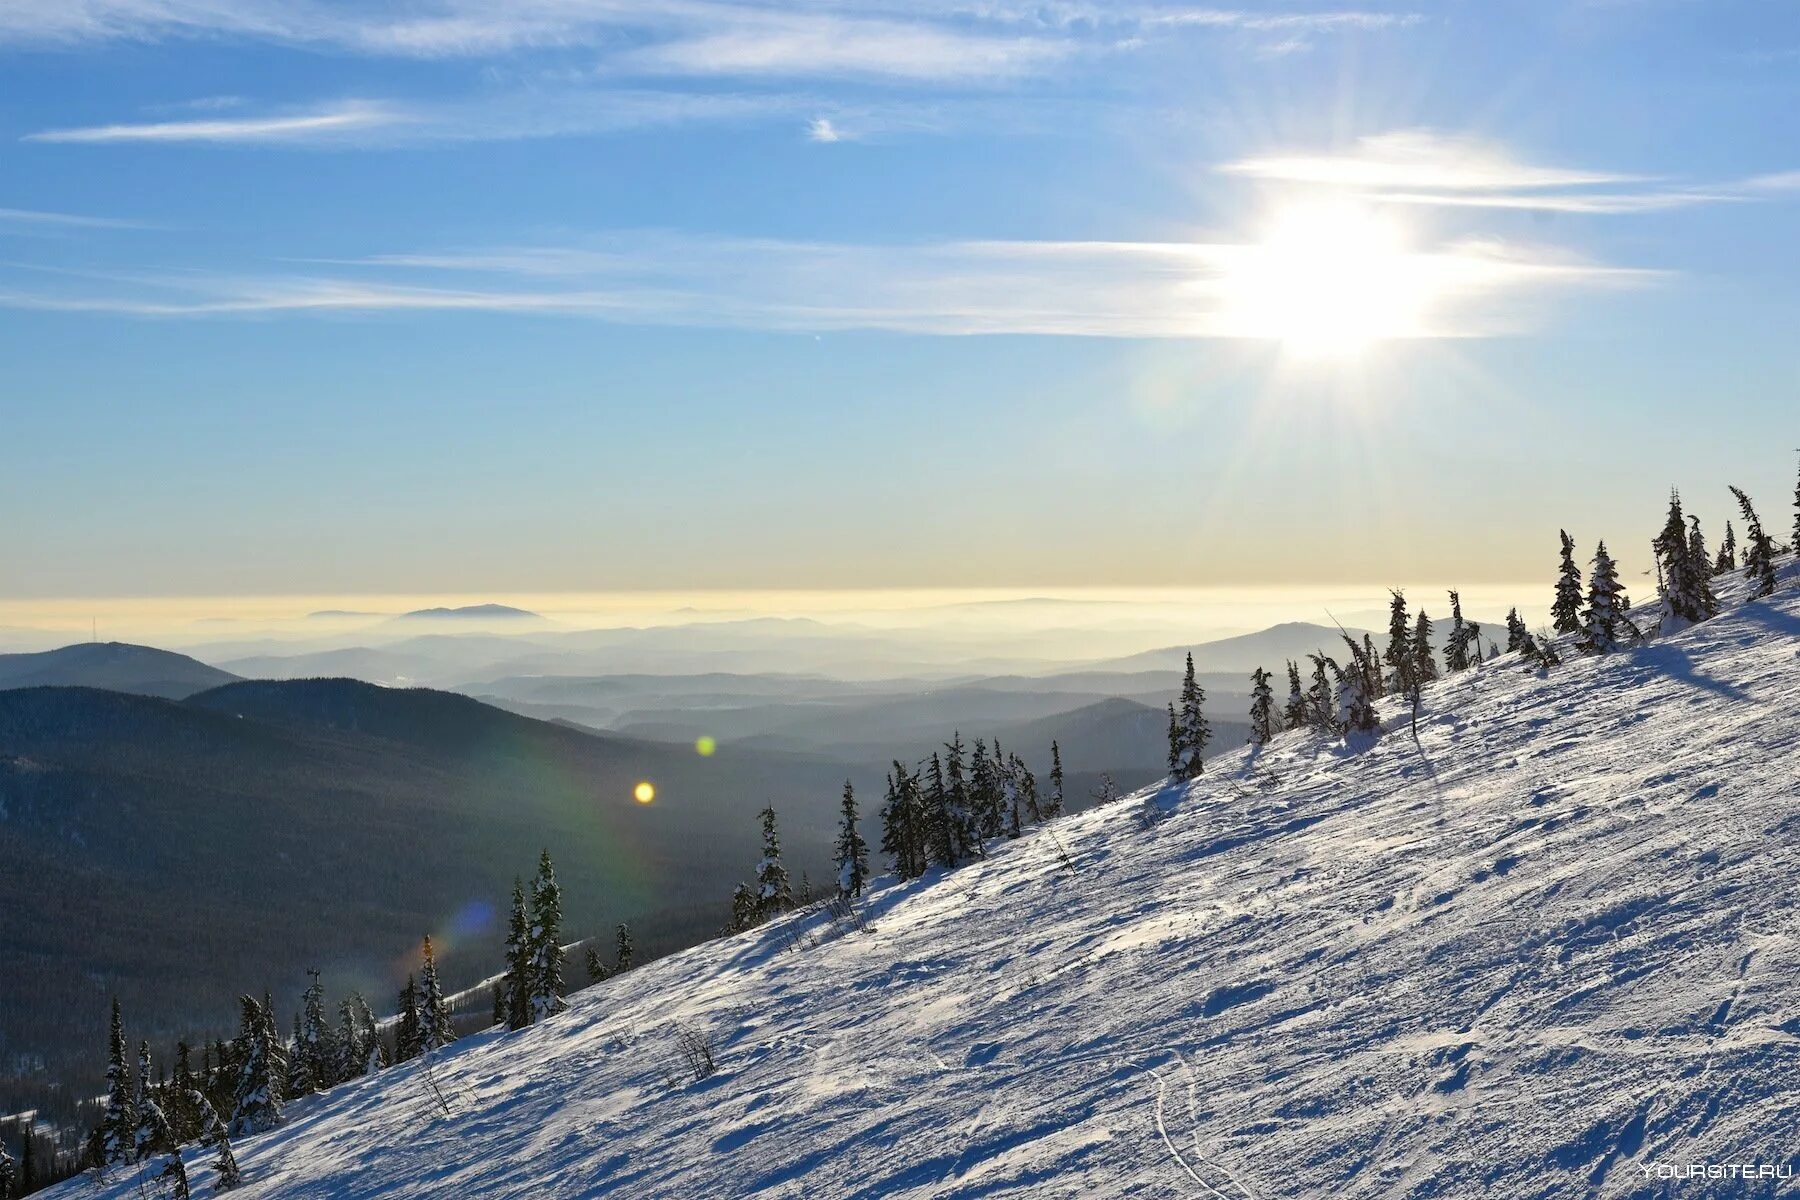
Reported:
(1759, 549)
(774, 894)
(1053, 804)
(358, 1038)
(1190, 731)
(409, 1029)
(1565, 612)
(1398, 655)
(984, 795)
(436, 1027)
(624, 948)
(959, 812)
(1262, 708)
(905, 837)
(1025, 788)
(118, 1125)
(256, 1102)
(1794, 543)
(597, 970)
(174, 1178)
(1601, 622)
(544, 942)
(152, 1135)
(517, 981)
(852, 851)
(1456, 643)
(1516, 633)
(1377, 681)
(9, 1175)
(1321, 695)
(1356, 684)
(1687, 592)
(316, 1057)
(1727, 560)
(1697, 546)
(743, 908)
(1294, 715)
(1424, 664)
(931, 807)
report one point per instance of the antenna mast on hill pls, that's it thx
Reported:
(95, 635)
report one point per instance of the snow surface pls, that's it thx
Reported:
(1550, 945)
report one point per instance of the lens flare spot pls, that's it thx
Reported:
(644, 792)
(704, 745)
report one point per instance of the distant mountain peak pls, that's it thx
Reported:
(476, 612)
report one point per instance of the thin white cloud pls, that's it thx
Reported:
(1418, 159)
(331, 122)
(823, 129)
(884, 39)
(513, 115)
(1420, 167)
(32, 218)
(1090, 289)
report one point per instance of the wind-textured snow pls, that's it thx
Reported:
(1539, 952)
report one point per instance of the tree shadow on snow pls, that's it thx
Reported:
(1774, 618)
(1675, 662)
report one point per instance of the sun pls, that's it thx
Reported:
(1327, 280)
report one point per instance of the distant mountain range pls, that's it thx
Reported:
(116, 666)
(1268, 648)
(179, 853)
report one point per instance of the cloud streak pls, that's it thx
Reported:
(1420, 167)
(33, 219)
(1047, 288)
(383, 123)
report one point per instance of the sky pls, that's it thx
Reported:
(310, 298)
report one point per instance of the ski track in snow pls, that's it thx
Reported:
(1553, 940)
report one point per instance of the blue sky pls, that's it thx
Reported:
(606, 294)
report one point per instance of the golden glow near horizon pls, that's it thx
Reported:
(705, 745)
(644, 792)
(1327, 279)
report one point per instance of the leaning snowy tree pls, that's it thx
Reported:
(1356, 684)
(544, 943)
(1759, 551)
(1565, 613)
(774, 892)
(436, 1028)
(852, 851)
(1262, 708)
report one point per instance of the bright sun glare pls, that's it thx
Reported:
(1327, 280)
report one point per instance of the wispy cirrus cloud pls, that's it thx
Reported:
(514, 115)
(865, 38)
(1421, 167)
(33, 219)
(1049, 288)
(330, 122)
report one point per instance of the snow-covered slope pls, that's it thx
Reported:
(1544, 949)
